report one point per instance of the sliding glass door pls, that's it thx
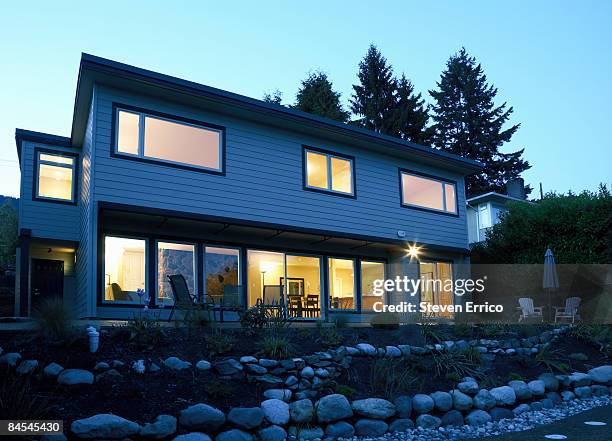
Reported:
(436, 284)
(292, 281)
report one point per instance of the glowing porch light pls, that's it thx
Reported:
(413, 251)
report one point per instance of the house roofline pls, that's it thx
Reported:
(40, 137)
(495, 195)
(94, 63)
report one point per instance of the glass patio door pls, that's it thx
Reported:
(436, 284)
(291, 280)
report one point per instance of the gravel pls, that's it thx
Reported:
(524, 421)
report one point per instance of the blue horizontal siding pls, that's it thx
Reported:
(46, 219)
(263, 181)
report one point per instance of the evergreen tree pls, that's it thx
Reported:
(273, 98)
(385, 104)
(374, 98)
(8, 234)
(467, 123)
(316, 96)
(411, 115)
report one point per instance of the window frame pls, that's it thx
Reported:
(328, 154)
(404, 171)
(75, 174)
(384, 296)
(356, 285)
(143, 113)
(203, 253)
(102, 268)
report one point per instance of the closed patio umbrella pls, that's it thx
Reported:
(550, 280)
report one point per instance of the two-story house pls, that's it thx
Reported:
(245, 199)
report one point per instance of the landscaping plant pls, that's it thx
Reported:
(54, 319)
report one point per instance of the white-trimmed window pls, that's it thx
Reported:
(431, 193)
(125, 270)
(55, 176)
(342, 284)
(329, 172)
(158, 138)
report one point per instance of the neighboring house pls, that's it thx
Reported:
(249, 201)
(486, 210)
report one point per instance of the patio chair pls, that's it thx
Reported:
(183, 299)
(530, 311)
(231, 300)
(569, 311)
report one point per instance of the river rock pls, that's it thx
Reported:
(104, 426)
(162, 427)
(579, 379)
(521, 390)
(333, 407)
(10, 359)
(376, 408)
(340, 429)
(71, 377)
(583, 391)
(228, 367)
(452, 418)
(403, 406)
(279, 394)
(443, 401)
(484, 400)
(427, 421)
(602, 374)
(401, 425)
(52, 370)
(203, 365)
(301, 411)
(275, 411)
(202, 417)
(176, 364)
(422, 403)
(368, 427)
(500, 413)
(468, 387)
(26, 367)
(272, 433)
(193, 436)
(537, 387)
(550, 381)
(245, 417)
(477, 417)
(461, 401)
(504, 395)
(366, 349)
(234, 435)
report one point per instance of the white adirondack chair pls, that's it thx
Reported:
(528, 310)
(569, 311)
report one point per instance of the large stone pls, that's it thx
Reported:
(10, 359)
(602, 374)
(477, 417)
(578, 379)
(521, 408)
(228, 367)
(568, 395)
(422, 403)
(245, 417)
(521, 390)
(504, 395)
(52, 370)
(268, 363)
(393, 352)
(194, 436)
(248, 359)
(428, 421)
(376, 408)
(203, 365)
(554, 397)
(306, 433)
(301, 411)
(234, 435)
(366, 349)
(403, 406)
(272, 433)
(333, 408)
(162, 427)
(279, 394)
(599, 390)
(368, 427)
(468, 387)
(26, 367)
(71, 377)
(275, 411)
(537, 387)
(104, 426)
(452, 418)
(109, 375)
(501, 413)
(443, 401)
(484, 400)
(461, 401)
(340, 429)
(202, 417)
(101, 366)
(401, 425)
(583, 391)
(307, 372)
(550, 381)
(176, 364)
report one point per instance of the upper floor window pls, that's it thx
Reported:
(158, 138)
(330, 172)
(430, 193)
(55, 176)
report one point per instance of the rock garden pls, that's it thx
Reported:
(274, 381)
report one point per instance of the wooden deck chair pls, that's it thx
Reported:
(528, 310)
(569, 311)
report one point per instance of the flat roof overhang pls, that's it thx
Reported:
(156, 222)
(94, 70)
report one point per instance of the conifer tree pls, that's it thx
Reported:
(316, 96)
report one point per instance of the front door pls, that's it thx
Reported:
(47, 280)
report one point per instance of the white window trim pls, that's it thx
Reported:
(72, 166)
(442, 182)
(146, 271)
(141, 140)
(328, 158)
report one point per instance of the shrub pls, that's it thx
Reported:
(514, 376)
(276, 347)
(550, 359)
(330, 337)
(18, 401)
(53, 317)
(146, 330)
(391, 377)
(471, 355)
(454, 362)
(345, 390)
(463, 330)
(220, 389)
(220, 342)
(432, 332)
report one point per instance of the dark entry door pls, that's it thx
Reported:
(47, 280)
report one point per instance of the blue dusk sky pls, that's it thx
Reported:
(550, 60)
